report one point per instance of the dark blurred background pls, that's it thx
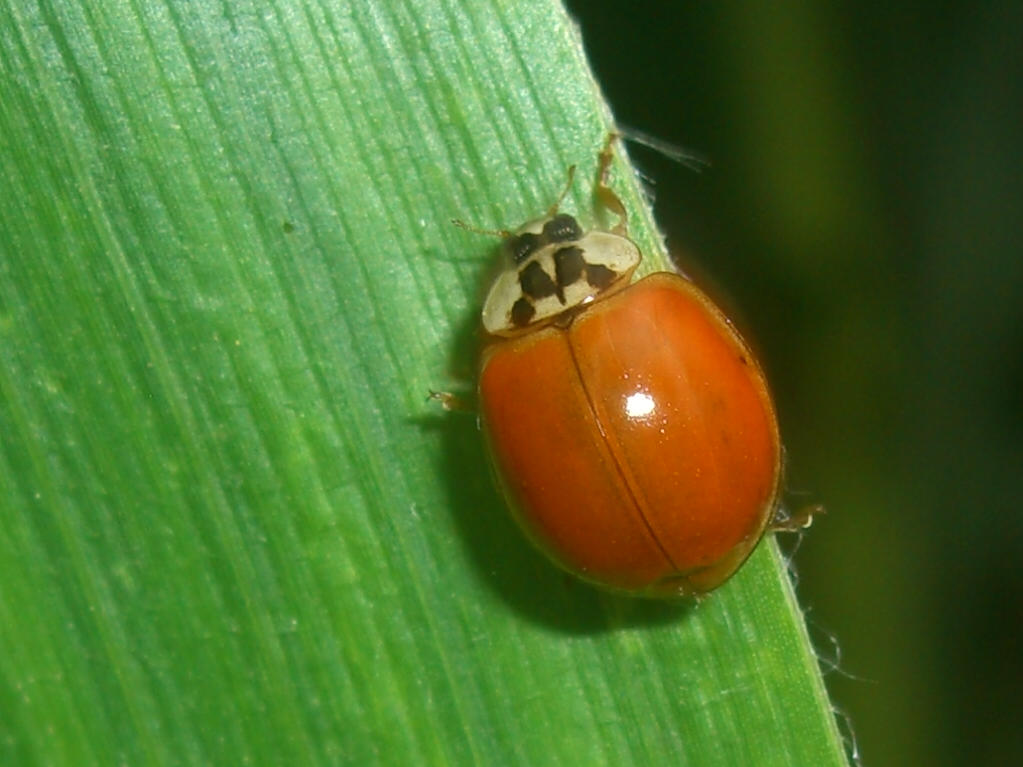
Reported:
(862, 218)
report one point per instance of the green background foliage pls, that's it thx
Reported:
(232, 528)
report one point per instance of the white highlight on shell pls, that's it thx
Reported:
(639, 405)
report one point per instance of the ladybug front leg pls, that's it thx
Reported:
(603, 190)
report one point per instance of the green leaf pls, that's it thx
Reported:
(234, 530)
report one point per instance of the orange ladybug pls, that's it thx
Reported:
(630, 425)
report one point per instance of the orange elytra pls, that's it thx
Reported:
(630, 425)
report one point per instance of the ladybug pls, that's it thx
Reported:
(630, 426)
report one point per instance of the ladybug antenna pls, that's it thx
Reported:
(603, 190)
(553, 210)
(502, 233)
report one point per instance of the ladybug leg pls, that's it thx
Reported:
(603, 190)
(786, 521)
(452, 402)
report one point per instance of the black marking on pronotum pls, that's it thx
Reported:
(599, 276)
(562, 228)
(522, 312)
(568, 266)
(522, 246)
(536, 283)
